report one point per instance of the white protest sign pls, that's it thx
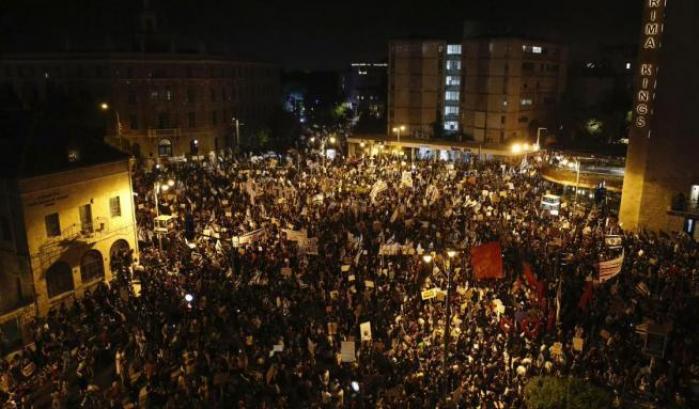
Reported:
(365, 331)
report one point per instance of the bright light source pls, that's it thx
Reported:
(332, 139)
(516, 148)
(188, 297)
(402, 127)
(451, 253)
(164, 187)
(355, 386)
(312, 139)
(171, 182)
(628, 65)
(395, 129)
(361, 144)
(535, 147)
(525, 147)
(104, 106)
(196, 141)
(427, 258)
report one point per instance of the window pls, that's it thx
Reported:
(154, 94)
(163, 120)
(527, 66)
(451, 126)
(213, 95)
(86, 218)
(132, 98)
(452, 96)
(454, 49)
(537, 50)
(53, 225)
(453, 65)
(59, 279)
(91, 266)
(169, 95)
(190, 95)
(165, 148)
(5, 233)
(115, 206)
(523, 119)
(449, 110)
(453, 80)
(628, 65)
(133, 121)
(525, 101)
(191, 120)
(502, 119)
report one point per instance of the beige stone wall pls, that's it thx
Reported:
(64, 193)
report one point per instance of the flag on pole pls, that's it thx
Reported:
(609, 269)
(406, 179)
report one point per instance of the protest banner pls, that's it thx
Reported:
(345, 268)
(578, 344)
(378, 187)
(365, 331)
(295, 235)
(347, 351)
(486, 260)
(247, 238)
(368, 284)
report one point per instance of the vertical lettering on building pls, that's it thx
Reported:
(650, 42)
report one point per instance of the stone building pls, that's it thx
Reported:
(66, 209)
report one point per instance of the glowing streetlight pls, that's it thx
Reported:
(171, 182)
(516, 148)
(451, 253)
(313, 139)
(397, 130)
(362, 144)
(104, 106)
(188, 297)
(332, 139)
(427, 258)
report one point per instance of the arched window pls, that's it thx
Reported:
(91, 266)
(165, 147)
(117, 252)
(59, 279)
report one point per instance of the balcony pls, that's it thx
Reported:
(160, 133)
(685, 208)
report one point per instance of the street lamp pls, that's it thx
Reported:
(516, 148)
(577, 183)
(332, 139)
(104, 106)
(447, 328)
(397, 130)
(157, 187)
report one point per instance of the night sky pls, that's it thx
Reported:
(309, 34)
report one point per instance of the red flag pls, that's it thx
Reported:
(586, 296)
(486, 260)
(535, 284)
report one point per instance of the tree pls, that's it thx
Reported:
(547, 392)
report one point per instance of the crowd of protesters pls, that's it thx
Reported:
(271, 263)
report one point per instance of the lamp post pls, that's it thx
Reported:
(156, 189)
(538, 135)
(104, 106)
(447, 327)
(577, 183)
(397, 130)
(237, 131)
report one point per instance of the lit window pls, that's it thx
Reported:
(453, 80)
(452, 96)
(451, 126)
(454, 49)
(525, 101)
(536, 50)
(453, 65)
(628, 65)
(451, 110)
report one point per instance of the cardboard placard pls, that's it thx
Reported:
(332, 328)
(347, 351)
(578, 344)
(365, 331)
(429, 294)
(345, 268)
(368, 284)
